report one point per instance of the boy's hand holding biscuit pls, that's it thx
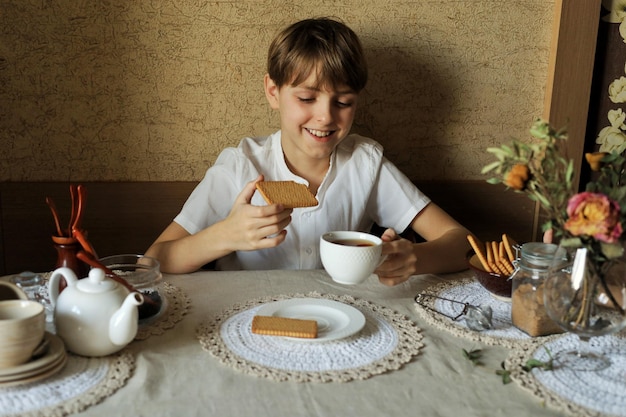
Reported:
(251, 227)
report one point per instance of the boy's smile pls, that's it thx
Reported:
(314, 120)
(319, 134)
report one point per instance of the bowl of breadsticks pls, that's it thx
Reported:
(492, 264)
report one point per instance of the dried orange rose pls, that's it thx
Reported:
(595, 160)
(517, 177)
(594, 214)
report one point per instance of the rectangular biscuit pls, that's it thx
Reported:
(283, 326)
(288, 193)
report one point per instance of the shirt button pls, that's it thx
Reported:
(308, 251)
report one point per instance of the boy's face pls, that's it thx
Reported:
(314, 120)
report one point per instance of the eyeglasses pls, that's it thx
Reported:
(477, 318)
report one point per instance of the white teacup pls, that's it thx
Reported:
(10, 291)
(350, 257)
(22, 326)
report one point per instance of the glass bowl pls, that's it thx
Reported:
(144, 274)
(138, 270)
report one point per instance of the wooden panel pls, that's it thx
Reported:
(487, 210)
(120, 218)
(575, 31)
(127, 217)
(2, 248)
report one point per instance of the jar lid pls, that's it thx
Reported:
(537, 255)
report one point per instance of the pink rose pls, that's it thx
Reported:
(595, 215)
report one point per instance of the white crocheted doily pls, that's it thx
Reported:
(503, 333)
(175, 305)
(387, 341)
(82, 383)
(580, 393)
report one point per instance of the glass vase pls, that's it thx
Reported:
(586, 297)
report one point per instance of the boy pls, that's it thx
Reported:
(316, 70)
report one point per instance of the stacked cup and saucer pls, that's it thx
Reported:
(28, 352)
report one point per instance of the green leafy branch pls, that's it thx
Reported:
(550, 179)
(475, 356)
(504, 373)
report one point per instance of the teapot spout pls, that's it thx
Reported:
(124, 322)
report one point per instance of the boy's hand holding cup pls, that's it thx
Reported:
(350, 257)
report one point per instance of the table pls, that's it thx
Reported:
(175, 376)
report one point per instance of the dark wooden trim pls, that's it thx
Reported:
(126, 217)
(487, 210)
(121, 217)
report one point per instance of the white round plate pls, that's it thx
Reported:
(335, 320)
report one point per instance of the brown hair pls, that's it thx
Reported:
(324, 45)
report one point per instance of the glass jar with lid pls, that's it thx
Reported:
(527, 308)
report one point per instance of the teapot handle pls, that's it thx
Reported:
(53, 285)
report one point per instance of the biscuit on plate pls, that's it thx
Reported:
(284, 326)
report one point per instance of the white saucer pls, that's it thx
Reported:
(335, 320)
(52, 362)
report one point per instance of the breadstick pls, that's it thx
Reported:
(506, 266)
(479, 249)
(491, 259)
(496, 252)
(503, 260)
(508, 246)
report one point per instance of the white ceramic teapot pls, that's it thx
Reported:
(94, 316)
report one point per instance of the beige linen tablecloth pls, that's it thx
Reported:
(174, 376)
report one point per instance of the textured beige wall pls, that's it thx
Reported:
(153, 90)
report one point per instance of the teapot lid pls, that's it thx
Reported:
(96, 282)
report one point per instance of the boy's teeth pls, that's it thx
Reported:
(318, 133)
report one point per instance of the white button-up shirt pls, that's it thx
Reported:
(361, 188)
